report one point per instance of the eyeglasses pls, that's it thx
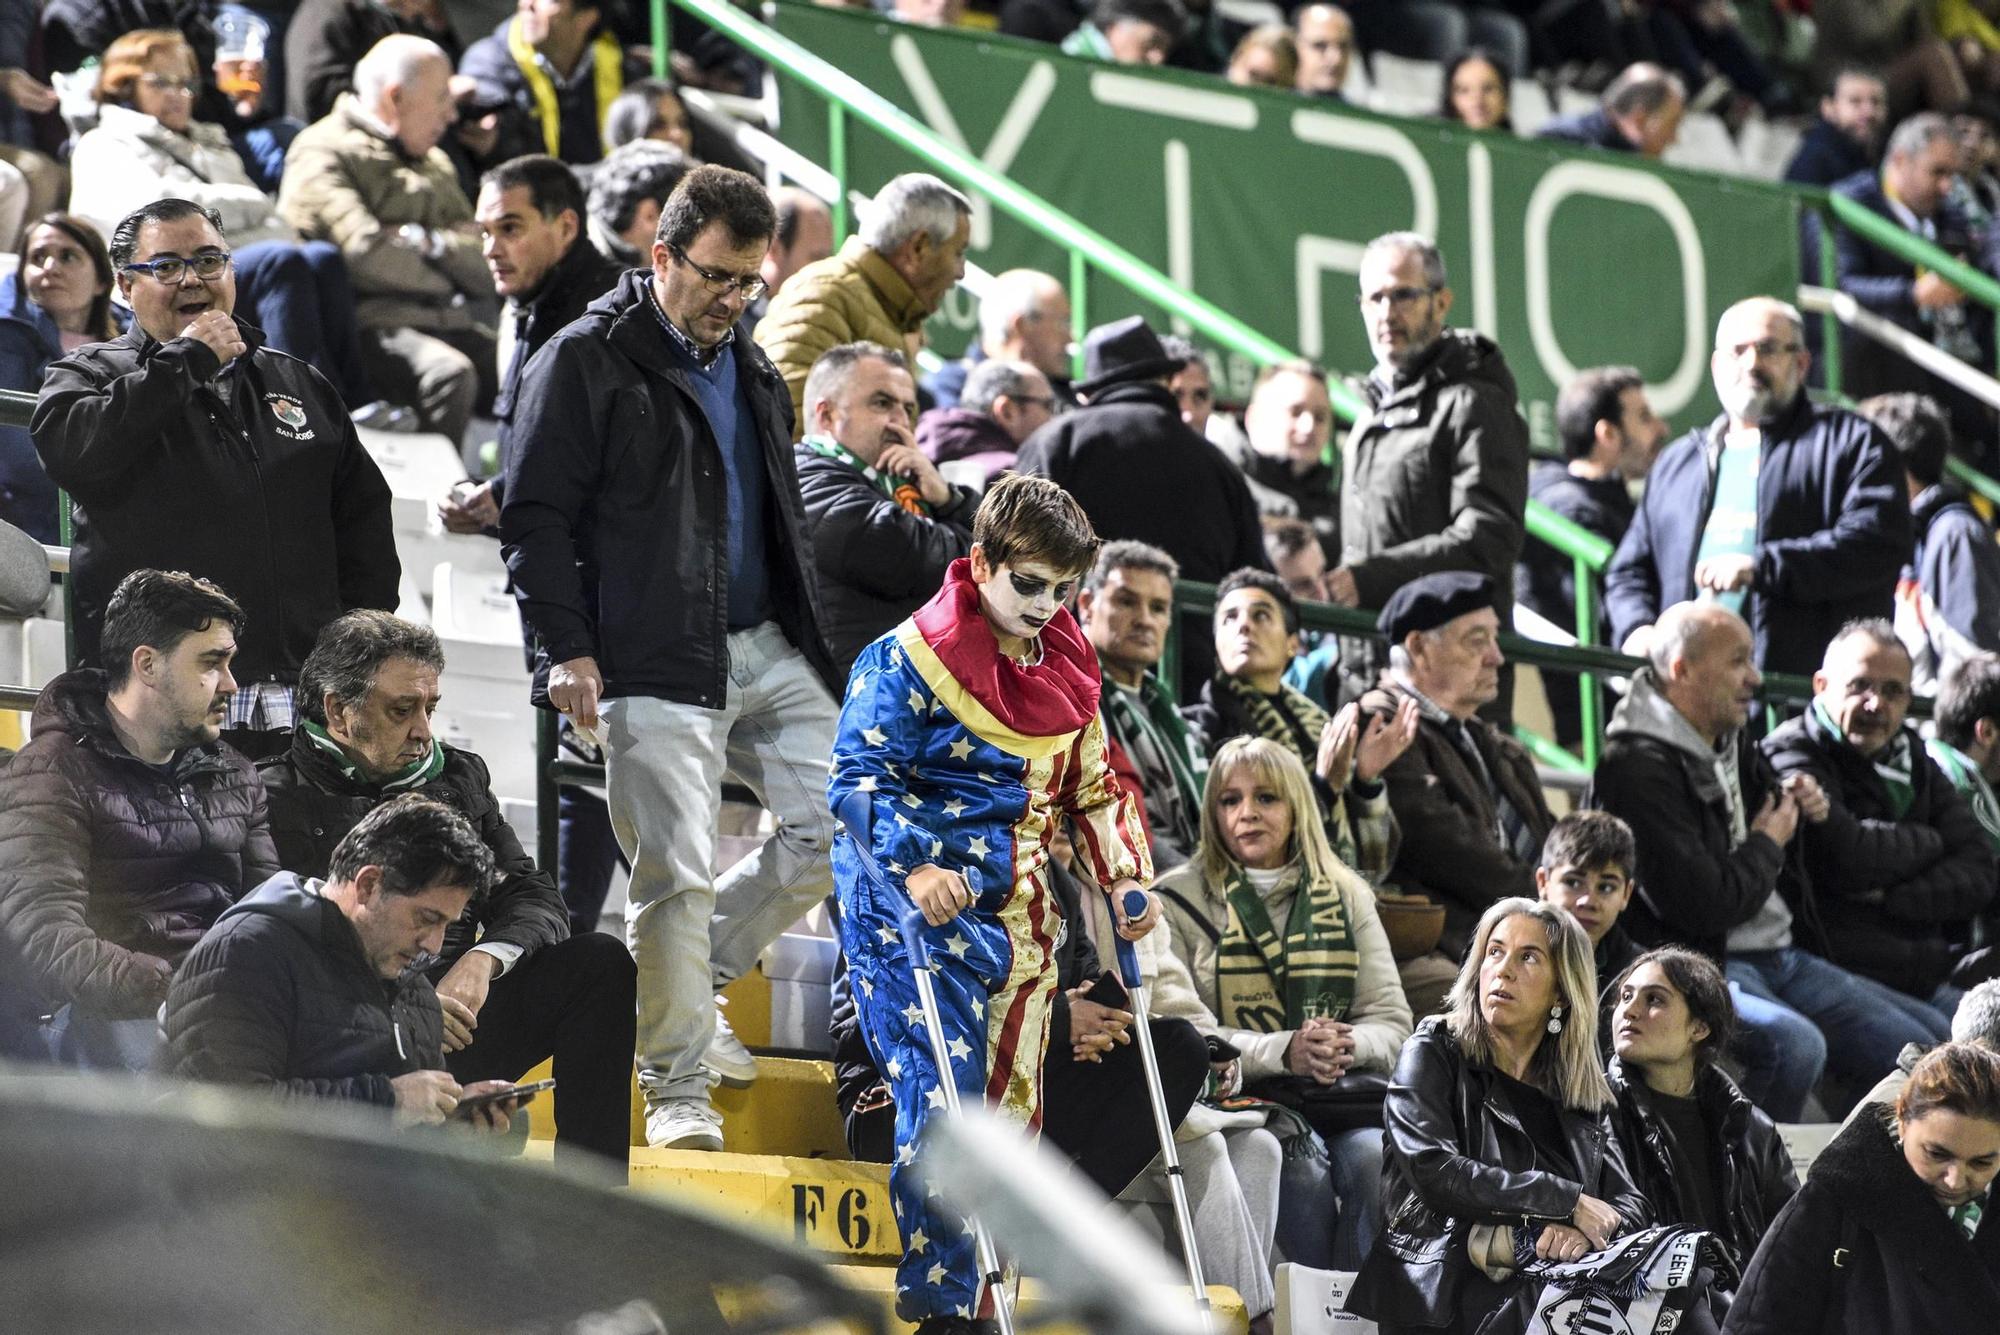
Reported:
(1394, 296)
(170, 269)
(1765, 348)
(749, 288)
(160, 83)
(1032, 401)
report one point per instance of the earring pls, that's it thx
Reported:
(1556, 1018)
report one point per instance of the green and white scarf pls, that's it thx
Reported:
(1148, 712)
(898, 489)
(1266, 983)
(1294, 721)
(1971, 784)
(1894, 766)
(413, 775)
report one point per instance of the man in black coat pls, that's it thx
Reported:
(1640, 113)
(187, 444)
(1900, 865)
(659, 551)
(1140, 473)
(1610, 438)
(531, 213)
(515, 986)
(1847, 137)
(1913, 191)
(126, 827)
(555, 68)
(885, 525)
(309, 989)
(1791, 515)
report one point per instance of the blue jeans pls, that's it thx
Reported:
(1864, 1024)
(1357, 1181)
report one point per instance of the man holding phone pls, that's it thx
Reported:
(313, 988)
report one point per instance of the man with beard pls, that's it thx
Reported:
(1791, 515)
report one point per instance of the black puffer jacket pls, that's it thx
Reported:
(314, 805)
(280, 995)
(615, 524)
(1455, 1156)
(1898, 895)
(1754, 1176)
(580, 277)
(1865, 1249)
(254, 479)
(876, 562)
(110, 870)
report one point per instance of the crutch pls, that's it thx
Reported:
(1128, 969)
(855, 814)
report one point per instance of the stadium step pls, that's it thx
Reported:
(1230, 1317)
(790, 1110)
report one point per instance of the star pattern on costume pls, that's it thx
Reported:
(894, 1070)
(959, 1049)
(874, 736)
(865, 784)
(896, 868)
(919, 1240)
(887, 935)
(984, 777)
(912, 801)
(914, 1014)
(935, 1098)
(935, 1275)
(958, 945)
(867, 988)
(917, 702)
(895, 656)
(962, 749)
(937, 847)
(954, 808)
(978, 1009)
(906, 1155)
(977, 846)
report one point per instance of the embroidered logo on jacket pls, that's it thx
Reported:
(291, 415)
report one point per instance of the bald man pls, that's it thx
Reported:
(1792, 516)
(1715, 827)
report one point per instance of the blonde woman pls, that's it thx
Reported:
(1498, 1118)
(1288, 959)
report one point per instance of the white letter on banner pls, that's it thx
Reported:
(1008, 136)
(1479, 206)
(1631, 187)
(1180, 225)
(1320, 254)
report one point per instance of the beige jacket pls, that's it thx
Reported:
(1380, 1016)
(348, 182)
(844, 298)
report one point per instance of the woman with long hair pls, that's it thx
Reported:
(1289, 960)
(1895, 1231)
(1498, 1120)
(1704, 1155)
(1476, 92)
(148, 146)
(57, 300)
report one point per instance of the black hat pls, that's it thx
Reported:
(1430, 602)
(1121, 352)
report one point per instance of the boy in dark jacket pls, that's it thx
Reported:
(310, 988)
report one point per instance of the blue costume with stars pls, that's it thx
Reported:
(971, 761)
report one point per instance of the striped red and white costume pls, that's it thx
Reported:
(970, 760)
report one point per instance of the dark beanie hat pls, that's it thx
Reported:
(1430, 602)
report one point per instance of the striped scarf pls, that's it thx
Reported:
(893, 485)
(607, 73)
(412, 776)
(1266, 983)
(1294, 721)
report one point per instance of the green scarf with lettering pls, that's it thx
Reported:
(1894, 766)
(1295, 721)
(413, 775)
(1267, 983)
(898, 489)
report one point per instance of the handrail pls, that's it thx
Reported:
(1852, 314)
(1907, 246)
(16, 406)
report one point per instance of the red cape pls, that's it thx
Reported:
(1056, 696)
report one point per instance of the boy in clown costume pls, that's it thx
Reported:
(973, 728)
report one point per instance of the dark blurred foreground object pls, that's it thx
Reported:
(205, 1211)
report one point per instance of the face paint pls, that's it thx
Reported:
(1026, 597)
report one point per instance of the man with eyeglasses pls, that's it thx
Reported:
(1436, 471)
(187, 444)
(1791, 515)
(652, 524)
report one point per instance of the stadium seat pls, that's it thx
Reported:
(1528, 105)
(1310, 1303)
(485, 682)
(1706, 145)
(1406, 87)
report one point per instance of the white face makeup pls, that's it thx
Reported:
(1021, 599)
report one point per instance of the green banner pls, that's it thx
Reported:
(1261, 202)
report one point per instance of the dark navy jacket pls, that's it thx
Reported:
(1886, 284)
(1826, 154)
(1833, 532)
(1957, 565)
(1592, 128)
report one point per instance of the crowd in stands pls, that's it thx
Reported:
(1414, 1021)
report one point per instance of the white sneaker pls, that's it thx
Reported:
(683, 1124)
(734, 1065)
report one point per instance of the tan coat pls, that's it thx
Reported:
(348, 183)
(1380, 1015)
(844, 298)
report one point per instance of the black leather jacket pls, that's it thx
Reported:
(1754, 1176)
(1455, 1156)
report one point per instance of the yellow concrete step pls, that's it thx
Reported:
(1230, 1318)
(832, 1206)
(790, 1110)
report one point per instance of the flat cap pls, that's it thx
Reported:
(1430, 602)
